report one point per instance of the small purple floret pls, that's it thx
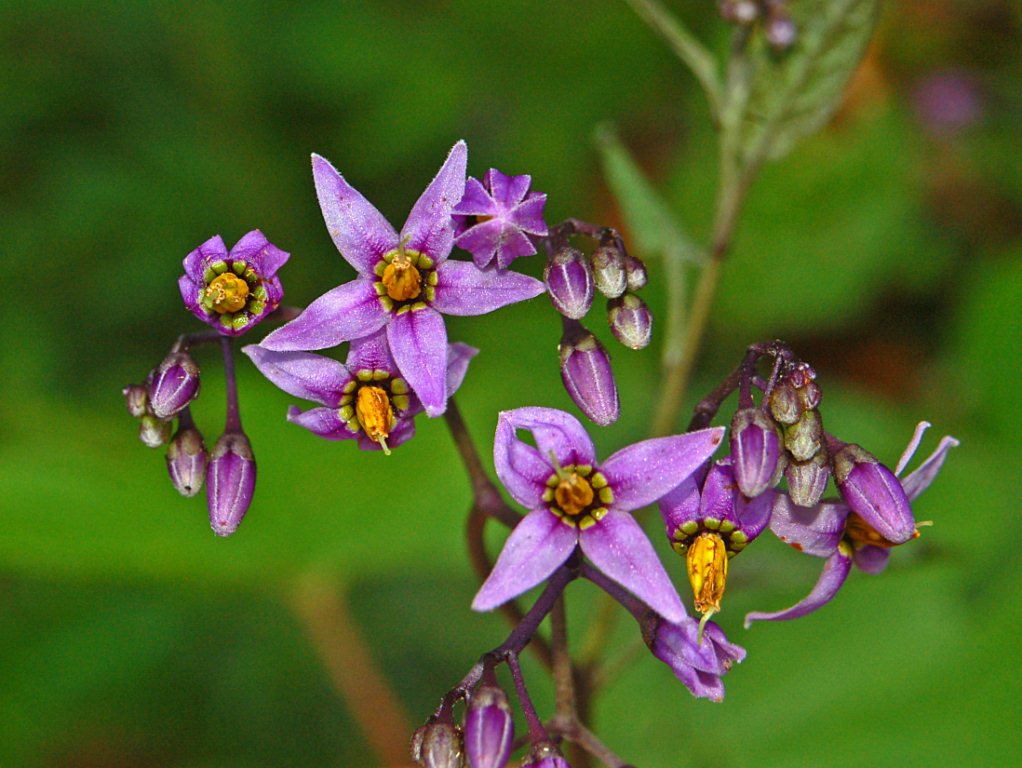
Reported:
(569, 283)
(755, 451)
(230, 482)
(496, 216)
(699, 665)
(174, 384)
(489, 728)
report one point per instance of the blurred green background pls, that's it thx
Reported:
(886, 250)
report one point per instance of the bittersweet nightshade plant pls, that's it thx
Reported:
(405, 281)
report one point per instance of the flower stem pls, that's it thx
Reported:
(233, 413)
(486, 497)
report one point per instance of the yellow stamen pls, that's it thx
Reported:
(401, 279)
(226, 293)
(372, 409)
(573, 494)
(707, 572)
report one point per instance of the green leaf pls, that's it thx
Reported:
(650, 222)
(792, 95)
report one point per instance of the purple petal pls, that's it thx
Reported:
(870, 559)
(302, 374)
(913, 444)
(520, 467)
(533, 551)
(371, 353)
(918, 481)
(877, 496)
(753, 515)
(418, 341)
(835, 571)
(476, 201)
(321, 421)
(528, 214)
(555, 432)
(349, 311)
(816, 530)
(464, 289)
(358, 230)
(507, 190)
(618, 547)
(642, 473)
(402, 432)
(429, 227)
(482, 241)
(513, 244)
(458, 357)
(190, 291)
(681, 505)
(195, 263)
(263, 255)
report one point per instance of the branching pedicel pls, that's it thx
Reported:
(577, 520)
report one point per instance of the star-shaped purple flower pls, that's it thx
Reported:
(233, 291)
(577, 501)
(405, 282)
(365, 398)
(496, 216)
(833, 530)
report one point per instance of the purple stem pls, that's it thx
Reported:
(233, 414)
(537, 733)
(634, 605)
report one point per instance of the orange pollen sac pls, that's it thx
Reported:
(228, 293)
(573, 495)
(860, 531)
(401, 279)
(707, 571)
(372, 409)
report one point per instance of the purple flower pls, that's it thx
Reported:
(496, 216)
(579, 502)
(698, 656)
(834, 531)
(230, 482)
(405, 282)
(233, 291)
(365, 398)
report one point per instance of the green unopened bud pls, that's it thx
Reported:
(152, 431)
(609, 271)
(804, 438)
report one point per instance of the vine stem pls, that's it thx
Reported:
(233, 413)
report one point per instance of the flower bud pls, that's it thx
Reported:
(135, 399)
(174, 384)
(186, 461)
(569, 281)
(152, 431)
(804, 438)
(588, 377)
(739, 11)
(780, 31)
(630, 321)
(545, 756)
(874, 493)
(489, 728)
(438, 745)
(609, 271)
(230, 482)
(755, 450)
(807, 480)
(809, 396)
(785, 404)
(635, 274)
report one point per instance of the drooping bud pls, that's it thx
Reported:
(569, 282)
(785, 404)
(804, 438)
(489, 728)
(230, 482)
(153, 432)
(780, 30)
(635, 274)
(187, 460)
(630, 321)
(609, 271)
(587, 375)
(807, 480)
(545, 756)
(874, 493)
(174, 384)
(438, 745)
(755, 450)
(135, 399)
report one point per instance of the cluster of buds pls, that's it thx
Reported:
(483, 740)
(572, 280)
(779, 29)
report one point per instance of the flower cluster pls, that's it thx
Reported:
(778, 27)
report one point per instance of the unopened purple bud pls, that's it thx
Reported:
(489, 728)
(152, 431)
(780, 31)
(807, 480)
(874, 493)
(545, 756)
(755, 451)
(804, 438)
(135, 399)
(230, 482)
(588, 377)
(173, 385)
(438, 745)
(630, 321)
(635, 274)
(187, 460)
(785, 405)
(609, 271)
(569, 282)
